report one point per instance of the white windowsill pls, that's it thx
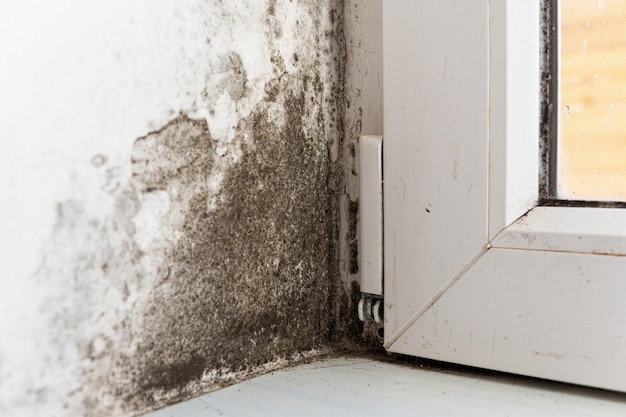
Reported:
(367, 387)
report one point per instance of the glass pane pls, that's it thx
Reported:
(592, 107)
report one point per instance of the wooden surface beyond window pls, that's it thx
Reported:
(592, 144)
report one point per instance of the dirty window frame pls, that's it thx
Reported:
(533, 219)
(539, 293)
(550, 104)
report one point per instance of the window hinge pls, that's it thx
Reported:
(371, 227)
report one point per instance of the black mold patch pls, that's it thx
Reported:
(253, 279)
(353, 242)
(168, 376)
(548, 125)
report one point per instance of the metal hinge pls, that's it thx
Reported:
(371, 228)
(371, 308)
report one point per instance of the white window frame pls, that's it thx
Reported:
(476, 272)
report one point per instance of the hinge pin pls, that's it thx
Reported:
(371, 309)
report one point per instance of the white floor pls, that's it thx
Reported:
(367, 387)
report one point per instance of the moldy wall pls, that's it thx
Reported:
(363, 115)
(172, 175)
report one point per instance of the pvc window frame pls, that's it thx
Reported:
(516, 220)
(476, 271)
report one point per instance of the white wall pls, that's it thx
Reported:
(90, 263)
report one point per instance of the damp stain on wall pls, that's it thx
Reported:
(215, 257)
(213, 250)
(252, 274)
(252, 278)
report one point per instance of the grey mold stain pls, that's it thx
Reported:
(548, 100)
(233, 281)
(235, 82)
(181, 152)
(252, 279)
(353, 242)
(256, 277)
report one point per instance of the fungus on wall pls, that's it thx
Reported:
(171, 178)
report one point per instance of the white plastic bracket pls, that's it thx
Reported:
(371, 214)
